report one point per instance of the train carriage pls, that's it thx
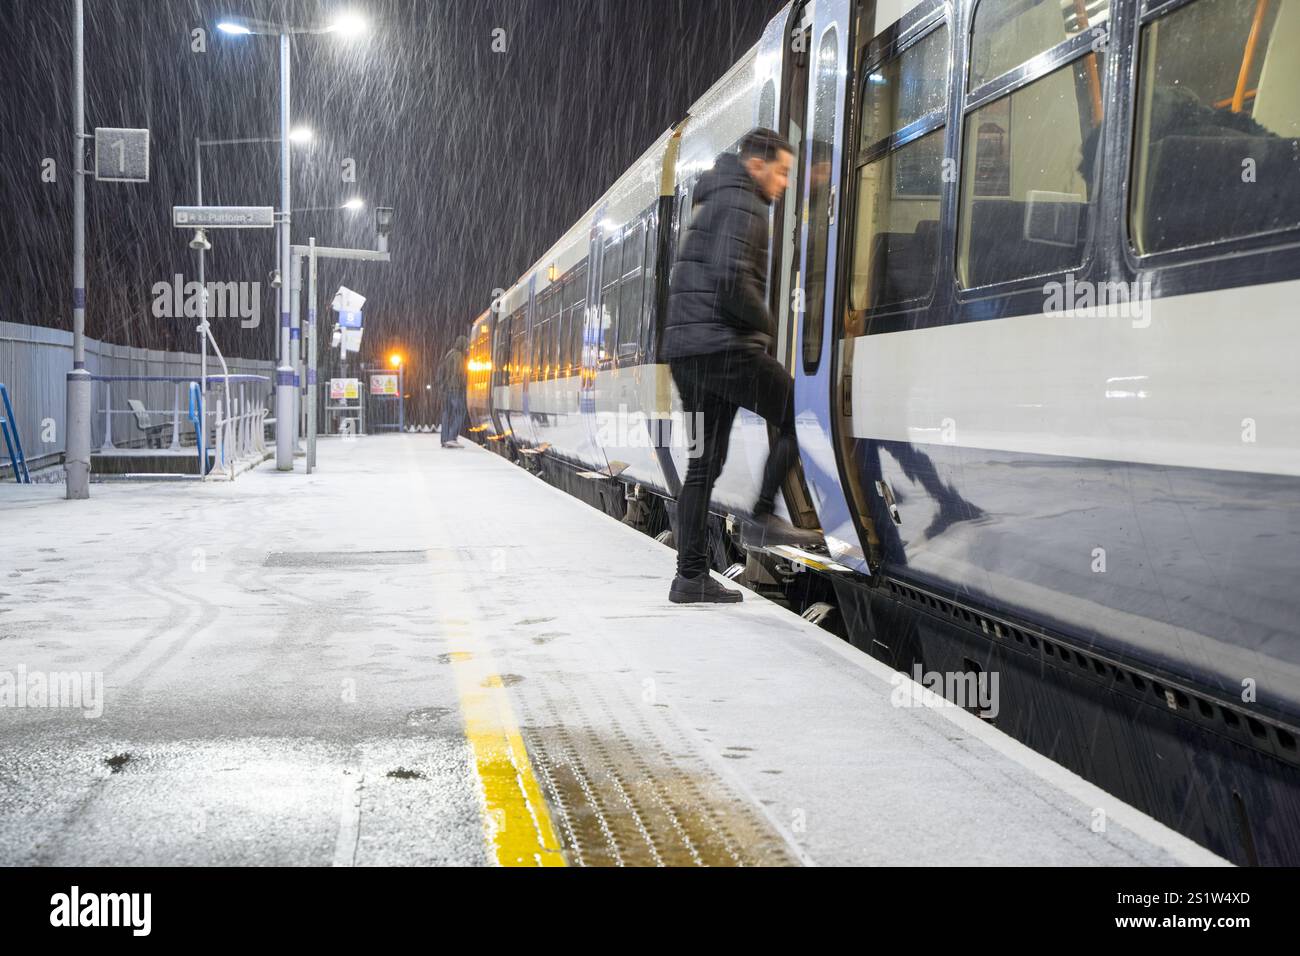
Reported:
(1035, 278)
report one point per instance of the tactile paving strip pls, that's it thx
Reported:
(619, 797)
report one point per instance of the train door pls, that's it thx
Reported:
(813, 255)
(788, 211)
(595, 321)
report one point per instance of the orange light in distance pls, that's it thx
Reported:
(395, 360)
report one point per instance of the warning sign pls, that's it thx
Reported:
(383, 384)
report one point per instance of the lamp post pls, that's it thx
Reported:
(300, 135)
(285, 386)
(77, 438)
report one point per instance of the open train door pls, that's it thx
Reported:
(813, 84)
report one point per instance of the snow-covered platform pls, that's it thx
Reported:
(419, 655)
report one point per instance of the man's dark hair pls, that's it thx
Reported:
(765, 144)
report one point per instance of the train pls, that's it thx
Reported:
(1035, 278)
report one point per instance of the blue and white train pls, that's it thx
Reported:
(1036, 278)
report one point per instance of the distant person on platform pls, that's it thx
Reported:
(716, 342)
(451, 385)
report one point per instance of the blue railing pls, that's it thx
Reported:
(9, 425)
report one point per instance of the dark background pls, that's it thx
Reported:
(487, 157)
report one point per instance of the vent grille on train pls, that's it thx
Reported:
(1258, 733)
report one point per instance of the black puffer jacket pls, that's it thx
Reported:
(716, 298)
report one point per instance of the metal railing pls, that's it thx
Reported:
(227, 431)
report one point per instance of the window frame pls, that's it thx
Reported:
(631, 356)
(939, 119)
(1260, 242)
(821, 212)
(1039, 67)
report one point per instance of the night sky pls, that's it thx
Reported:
(487, 157)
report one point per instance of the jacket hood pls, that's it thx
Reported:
(728, 172)
(461, 344)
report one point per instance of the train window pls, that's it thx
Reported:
(1010, 33)
(629, 306)
(501, 360)
(767, 105)
(576, 296)
(1028, 177)
(553, 318)
(564, 333)
(648, 296)
(535, 343)
(896, 229)
(821, 199)
(1217, 138)
(517, 342)
(547, 330)
(609, 270)
(906, 88)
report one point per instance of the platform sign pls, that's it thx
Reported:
(223, 217)
(350, 320)
(345, 389)
(121, 155)
(383, 384)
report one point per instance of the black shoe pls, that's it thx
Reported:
(767, 530)
(701, 590)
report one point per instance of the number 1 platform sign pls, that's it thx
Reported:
(121, 155)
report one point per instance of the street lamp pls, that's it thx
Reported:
(286, 388)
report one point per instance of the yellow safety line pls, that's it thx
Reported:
(516, 822)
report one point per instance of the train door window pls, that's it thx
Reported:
(518, 342)
(544, 360)
(543, 334)
(629, 294)
(649, 295)
(899, 178)
(538, 338)
(1217, 137)
(609, 270)
(789, 208)
(534, 343)
(577, 317)
(821, 197)
(1029, 170)
(567, 318)
(685, 196)
(767, 105)
(556, 324)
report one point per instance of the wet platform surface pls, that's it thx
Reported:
(428, 656)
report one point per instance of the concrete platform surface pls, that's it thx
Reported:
(421, 655)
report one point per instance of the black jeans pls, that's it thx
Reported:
(713, 387)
